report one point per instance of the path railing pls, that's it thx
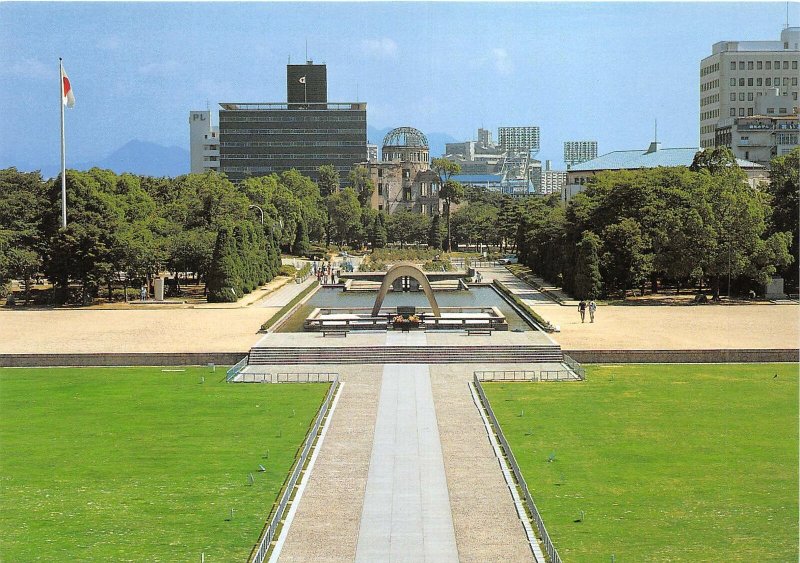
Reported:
(576, 367)
(234, 371)
(529, 375)
(286, 377)
(260, 551)
(552, 553)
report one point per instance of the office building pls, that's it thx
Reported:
(203, 143)
(576, 152)
(738, 73)
(257, 139)
(403, 178)
(519, 140)
(653, 157)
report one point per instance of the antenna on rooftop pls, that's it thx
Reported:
(306, 50)
(656, 131)
(787, 16)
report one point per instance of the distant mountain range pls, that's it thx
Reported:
(137, 157)
(151, 159)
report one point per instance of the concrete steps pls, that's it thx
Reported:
(406, 355)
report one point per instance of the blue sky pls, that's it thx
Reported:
(599, 71)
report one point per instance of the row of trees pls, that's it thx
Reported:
(679, 225)
(245, 257)
(126, 228)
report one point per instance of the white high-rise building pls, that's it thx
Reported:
(576, 152)
(739, 72)
(203, 142)
(518, 140)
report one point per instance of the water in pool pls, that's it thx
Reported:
(336, 298)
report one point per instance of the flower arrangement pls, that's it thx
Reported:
(411, 320)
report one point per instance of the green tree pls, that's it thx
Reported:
(784, 187)
(435, 235)
(301, 245)
(407, 227)
(328, 181)
(625, 260)
(450, 191)
(714, 160)
(380, 235)
(224, 280)
(588, 281)
(345, 214)
(363, 185)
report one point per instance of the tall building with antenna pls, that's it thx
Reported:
(739, 76)
(304, 133)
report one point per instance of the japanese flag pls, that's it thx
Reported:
(67, 97)
(302, 80)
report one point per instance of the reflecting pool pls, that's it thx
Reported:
(336, 298)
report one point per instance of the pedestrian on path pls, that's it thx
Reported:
(582, 310)
(592, 309)
(143, 293)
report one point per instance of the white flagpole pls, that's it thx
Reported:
(63, 149)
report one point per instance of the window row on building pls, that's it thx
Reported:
(709, 69)
(314, 131)
(229, 144)
(292, 156)
(750, 111)
(711, 114)
(263, 170)
(763, 65)
(712, 99)
(316, 118)
(710, 85)
(769, 82)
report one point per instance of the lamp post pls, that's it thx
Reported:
(261, 210)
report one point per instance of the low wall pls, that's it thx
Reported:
(121, 359)
(230, 358)
(718, 356)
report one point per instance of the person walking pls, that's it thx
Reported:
(582, 310)
(592, 309)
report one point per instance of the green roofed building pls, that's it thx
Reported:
(653, 157)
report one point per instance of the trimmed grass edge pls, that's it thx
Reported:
(288, 307)
(546, 325)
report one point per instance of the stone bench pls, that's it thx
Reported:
(335, 332)
(485, 331)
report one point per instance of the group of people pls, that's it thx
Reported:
(582, 307)
(325, 272)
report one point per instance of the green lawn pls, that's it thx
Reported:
(139, 464)
(665, 462)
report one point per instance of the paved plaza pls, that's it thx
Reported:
(234, 327)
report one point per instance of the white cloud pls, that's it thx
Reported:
(501, 62)
(165, 68)
(383, 47)
(31, 68)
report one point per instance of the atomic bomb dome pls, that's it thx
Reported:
(405, 144)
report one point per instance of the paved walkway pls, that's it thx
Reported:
(406, 512)
(325, 527)
(285, 294)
